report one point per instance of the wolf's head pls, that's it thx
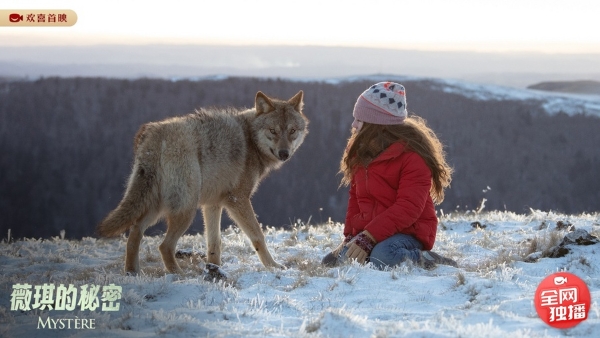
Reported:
(280, 125)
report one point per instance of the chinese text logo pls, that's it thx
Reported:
(27, 297)
(562, 300)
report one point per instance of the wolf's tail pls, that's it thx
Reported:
(140, 197)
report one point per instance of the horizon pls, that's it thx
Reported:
(293, 62)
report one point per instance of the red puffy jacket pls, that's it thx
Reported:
(391, 196)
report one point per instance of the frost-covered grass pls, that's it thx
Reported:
(489, 295)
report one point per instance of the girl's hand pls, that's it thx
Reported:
(360, 247)
(339, 248)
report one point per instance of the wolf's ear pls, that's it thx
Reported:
(263, 104)
(297, 102)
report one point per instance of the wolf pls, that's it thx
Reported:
(213, 159)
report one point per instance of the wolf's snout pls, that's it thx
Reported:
(284, 154)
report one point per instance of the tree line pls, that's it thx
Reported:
(67, 149)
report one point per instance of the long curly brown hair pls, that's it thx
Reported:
(364, 146)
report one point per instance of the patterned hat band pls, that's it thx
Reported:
(382, 103)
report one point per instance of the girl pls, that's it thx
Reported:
(396, 170)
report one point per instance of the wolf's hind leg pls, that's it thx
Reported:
(177, 224)
(212, 232)
(132, 255)
(242, 213)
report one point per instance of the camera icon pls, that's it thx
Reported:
(560, 280)
(15, 17)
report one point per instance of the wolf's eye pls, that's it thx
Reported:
(272, 131)
(292, 131)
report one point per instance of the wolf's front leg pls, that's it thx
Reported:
(212, 232)
(241, 212)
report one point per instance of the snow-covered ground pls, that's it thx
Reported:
(491, 294)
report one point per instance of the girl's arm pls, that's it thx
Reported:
(353, 208)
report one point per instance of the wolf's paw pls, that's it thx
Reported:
(177, 271)
(214, 273)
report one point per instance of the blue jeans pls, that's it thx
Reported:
(393, 251)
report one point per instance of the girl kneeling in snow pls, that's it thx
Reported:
(396, 170)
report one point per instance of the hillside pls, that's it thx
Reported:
(67, 146)
(573, 87)
(491, 294)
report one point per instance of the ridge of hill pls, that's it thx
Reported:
(574, 87)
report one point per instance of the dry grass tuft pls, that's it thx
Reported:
(312, 268)
(460, 279)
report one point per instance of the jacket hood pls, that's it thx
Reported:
(394, 150)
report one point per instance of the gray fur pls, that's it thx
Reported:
(213, 159)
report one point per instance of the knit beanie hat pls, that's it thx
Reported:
(382, 103)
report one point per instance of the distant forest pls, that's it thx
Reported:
(67, 149)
